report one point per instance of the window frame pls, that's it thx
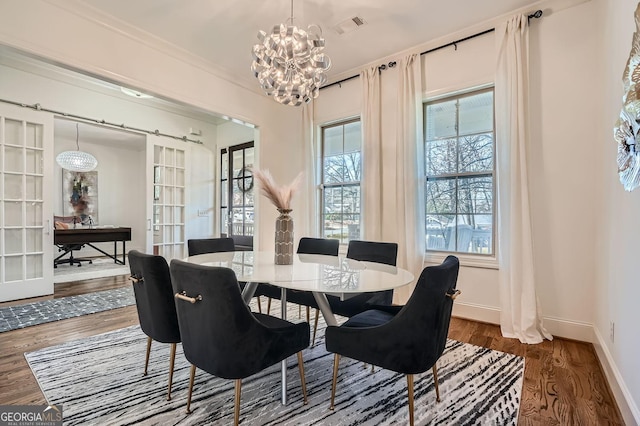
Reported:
(467, 258)
(321, 177)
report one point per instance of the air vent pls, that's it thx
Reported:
(349, 25)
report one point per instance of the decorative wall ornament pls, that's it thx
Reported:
(626, 129)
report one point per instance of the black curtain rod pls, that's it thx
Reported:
(537, 14)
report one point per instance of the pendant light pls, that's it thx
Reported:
(290, 63)
(77, 161)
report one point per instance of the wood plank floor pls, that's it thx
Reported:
(563, 383)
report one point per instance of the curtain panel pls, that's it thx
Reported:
(410, 203)
(371, 184)
(520, 315)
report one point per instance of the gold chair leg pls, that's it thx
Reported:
(308, 313)
(268, 305)
(299, 311)
(172, 360)
(191, 379)
(435, 380)
(236, 412)
(302, 381)
(336, 361)
(410, 389)
(315, 328)
(373, 369)
(259, 304)
(146, 361)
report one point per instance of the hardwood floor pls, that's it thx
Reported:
(563, 383)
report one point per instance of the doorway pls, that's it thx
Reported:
(237, 193)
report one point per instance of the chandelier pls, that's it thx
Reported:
(77, 161)
(289, 62)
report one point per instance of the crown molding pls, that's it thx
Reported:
(127, 30)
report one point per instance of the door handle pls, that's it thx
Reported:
(148, 224)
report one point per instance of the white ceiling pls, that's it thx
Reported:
(96, 134)
(222, 32)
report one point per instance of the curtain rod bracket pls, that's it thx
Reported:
(537, 14)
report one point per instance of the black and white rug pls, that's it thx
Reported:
(99, 381)
(28, 314)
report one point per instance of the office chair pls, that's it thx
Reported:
(64, 222)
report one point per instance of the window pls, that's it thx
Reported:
(341, 172)
(460, 173)
(236, 190)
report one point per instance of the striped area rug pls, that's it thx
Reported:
(99, 381)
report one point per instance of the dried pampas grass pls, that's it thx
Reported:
(279, 196)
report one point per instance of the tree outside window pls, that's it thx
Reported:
(460, 173)
(341, 174)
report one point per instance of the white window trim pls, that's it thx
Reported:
(466, 259)
(473, 260)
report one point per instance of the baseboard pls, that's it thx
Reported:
(569, 329)
(475, 312)
(628, 408)
(557, 327)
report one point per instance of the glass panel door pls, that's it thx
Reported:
(237, 191)
(26, 248)
(167, 216)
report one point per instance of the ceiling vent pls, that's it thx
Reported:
(349, 25)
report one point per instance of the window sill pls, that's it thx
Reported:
(468, 260)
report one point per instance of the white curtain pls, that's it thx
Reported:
(520, 310)
(371, 182)
(409, 186)
(307, 224)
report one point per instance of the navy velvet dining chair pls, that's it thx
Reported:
(221, 335)
(197, 246)
(367, 251)
(307, 245)
(154, 301)
(406, 339)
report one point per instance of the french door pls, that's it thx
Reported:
(166, 172)
(237, 190)
(26, 212)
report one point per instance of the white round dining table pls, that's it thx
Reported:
(319, 274)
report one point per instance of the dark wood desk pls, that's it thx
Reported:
(95, 235)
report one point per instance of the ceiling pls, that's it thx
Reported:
(96, 134)
(222, 32)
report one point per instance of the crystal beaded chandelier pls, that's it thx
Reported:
(77, 161)
(289, 62)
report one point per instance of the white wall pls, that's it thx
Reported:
(617, 289)
(49, 30)
(561, 175)
(121, 168)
